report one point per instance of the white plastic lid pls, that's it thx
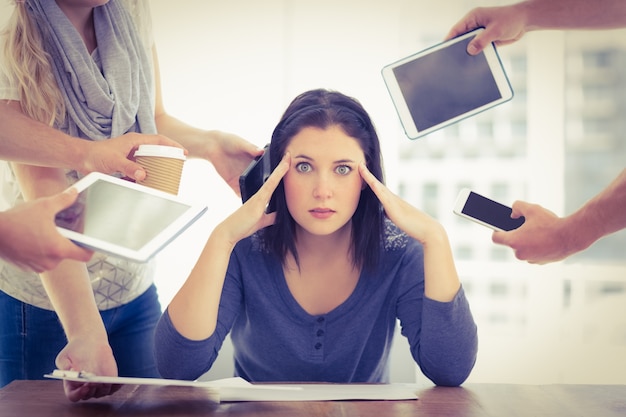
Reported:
(161, 151)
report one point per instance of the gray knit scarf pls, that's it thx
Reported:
(101, 102)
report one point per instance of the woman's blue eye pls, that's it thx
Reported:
(303, 167)
(343, 170)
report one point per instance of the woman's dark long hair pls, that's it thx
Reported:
(323, 109)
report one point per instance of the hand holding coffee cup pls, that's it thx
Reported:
(163, 166)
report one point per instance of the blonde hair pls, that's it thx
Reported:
(28, 64)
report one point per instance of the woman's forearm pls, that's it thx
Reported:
(194, 309)
(441, 280)
(70, 292)
(25, 140)
(68, 286)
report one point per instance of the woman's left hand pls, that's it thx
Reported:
(441, 281)
(412, 221)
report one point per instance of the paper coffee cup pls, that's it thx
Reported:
(163, 166)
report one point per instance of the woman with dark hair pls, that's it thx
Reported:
(312, 291)
(322, 109)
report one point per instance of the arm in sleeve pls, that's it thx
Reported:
(449, 341)
(178, 357)
(442, 335)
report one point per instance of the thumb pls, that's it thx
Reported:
(133, 170)
(482, 40)
(477, 44)
(518, 209)
(65, 199)
(63, 361)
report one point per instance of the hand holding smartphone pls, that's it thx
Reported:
(485, 211)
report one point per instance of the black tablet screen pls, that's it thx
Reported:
(445, 84)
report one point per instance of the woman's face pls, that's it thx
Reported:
(323, 185)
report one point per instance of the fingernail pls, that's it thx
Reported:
(472, 49)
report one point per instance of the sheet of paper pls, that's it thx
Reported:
(238, 389)
(323, 392)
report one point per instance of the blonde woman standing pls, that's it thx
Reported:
(88, 70)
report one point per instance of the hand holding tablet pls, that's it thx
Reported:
(444, 84)
(123, 218)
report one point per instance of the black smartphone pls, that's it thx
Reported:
(485, 211)
(255, 175)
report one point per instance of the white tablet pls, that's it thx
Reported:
(124, 219)
(444, 84)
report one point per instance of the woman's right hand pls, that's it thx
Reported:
(251, 216)
(194, 309)
(90, 354)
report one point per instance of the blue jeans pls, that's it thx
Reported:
(31, 338)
